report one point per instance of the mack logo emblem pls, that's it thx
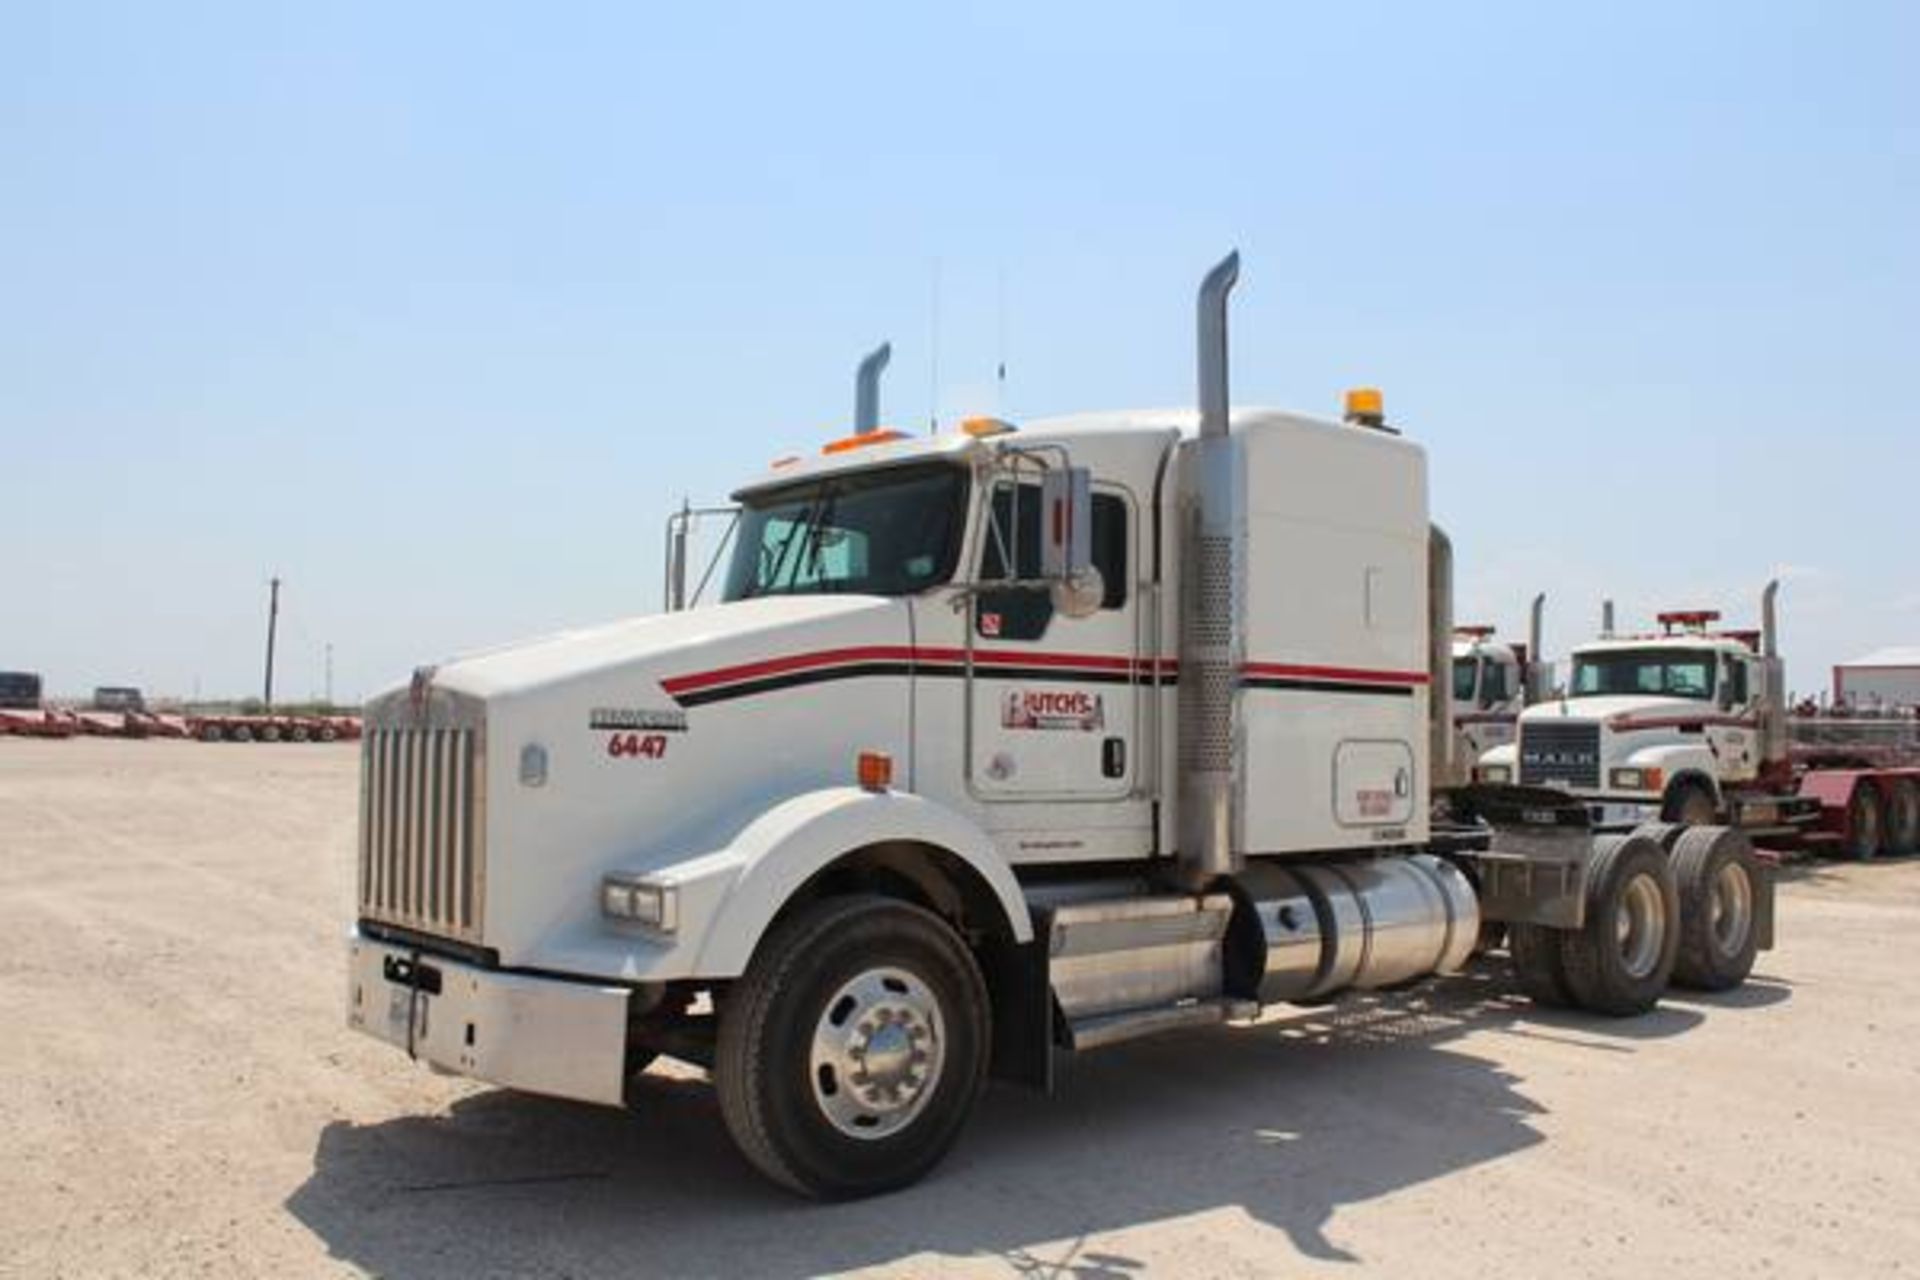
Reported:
(1559, 757)
(1052, 709)
(674, 721)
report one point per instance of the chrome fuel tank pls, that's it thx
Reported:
(1304, 930)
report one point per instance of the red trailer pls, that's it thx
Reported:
(1864, 772)
(272, 728)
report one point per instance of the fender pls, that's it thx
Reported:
(783, 848)
(1675, 761)
(1506, 753)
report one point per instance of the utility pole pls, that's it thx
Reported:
(273, 623)
(329, 673)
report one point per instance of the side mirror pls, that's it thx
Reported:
(1066, 541)
(1066, 523)
(1079, 596)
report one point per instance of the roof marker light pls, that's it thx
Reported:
(1366, 407)
(1691, 619)
(985, 428)
(881, 435)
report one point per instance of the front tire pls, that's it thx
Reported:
(1691, 803)
(852, 1051)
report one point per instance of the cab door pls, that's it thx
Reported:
(1054, 703)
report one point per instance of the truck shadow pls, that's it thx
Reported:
(1287, 1121)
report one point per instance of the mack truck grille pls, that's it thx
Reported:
(1566, 755)
(423, 824)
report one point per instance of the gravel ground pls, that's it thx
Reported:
(179, 1096)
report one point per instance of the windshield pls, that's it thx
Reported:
(887, 533)
(1673, 674)
(1463, 673)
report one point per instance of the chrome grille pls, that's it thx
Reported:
(423, 824)
(1566, 755)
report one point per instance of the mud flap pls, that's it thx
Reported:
(1534, 870)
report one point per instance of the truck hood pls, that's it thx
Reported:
(1611, 707)
(628, 747)
(664, 643)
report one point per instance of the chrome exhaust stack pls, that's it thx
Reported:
(1769, 621)
(1606, 619)
(1210, 632)
(1443, 771)
(1536, 672)
(866, 389)
(1774, 746)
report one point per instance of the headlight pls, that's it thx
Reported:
(1635, 779)
(1495, 773)
(641, 901)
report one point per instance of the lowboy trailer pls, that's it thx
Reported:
(1001, 745)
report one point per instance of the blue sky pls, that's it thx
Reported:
(435, 309)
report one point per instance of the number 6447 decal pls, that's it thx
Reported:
(637, 746)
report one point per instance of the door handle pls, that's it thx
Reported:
(1113, 758)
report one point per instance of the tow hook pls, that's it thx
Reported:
(418, 979)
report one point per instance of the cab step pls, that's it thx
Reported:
(1101, 1030)
(1125, 967)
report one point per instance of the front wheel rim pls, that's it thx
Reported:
(1640, 926)
(1730, 909)
(878, 1052)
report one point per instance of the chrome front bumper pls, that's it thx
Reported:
(543, 1035)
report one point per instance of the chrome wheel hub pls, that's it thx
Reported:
(877, 1054)
(1730, 908)
(1640, 926)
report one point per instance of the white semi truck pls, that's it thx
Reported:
(1690, 725)
(1493, 681)
(1002, 744)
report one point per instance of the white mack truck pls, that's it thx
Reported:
(1691, 726)
(1001, 744)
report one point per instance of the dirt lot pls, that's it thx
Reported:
(179, 1097)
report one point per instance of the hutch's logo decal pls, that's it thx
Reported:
(674, 721)
(1053, 709)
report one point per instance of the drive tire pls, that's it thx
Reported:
(211, 733)
(242, 733)
(1535, 950)
(1903, 817)
(1866, 822)
(779, 1101)
(1664, 834)
(1620, 961)
(1690, 803)
(1720, 886)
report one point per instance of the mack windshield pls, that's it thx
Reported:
(1673, 675)
(886, 533)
